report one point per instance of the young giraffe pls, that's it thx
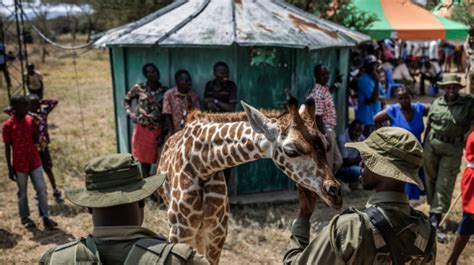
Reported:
(195, 190)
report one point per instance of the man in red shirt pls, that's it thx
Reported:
(19, 134)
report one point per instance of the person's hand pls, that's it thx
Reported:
(11, 174)
(307, 202)
(376, 76)
(212, 106)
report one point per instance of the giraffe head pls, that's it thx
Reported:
(298, 148)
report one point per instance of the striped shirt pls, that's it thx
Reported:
(324, 105)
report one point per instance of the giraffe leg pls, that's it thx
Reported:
(216, 215)
(200, 241)
(185, 216)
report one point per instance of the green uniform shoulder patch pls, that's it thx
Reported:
(149, 251)
(75, 252)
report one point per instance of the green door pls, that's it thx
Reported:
(262, 83)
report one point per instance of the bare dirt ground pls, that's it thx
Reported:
(258, 234)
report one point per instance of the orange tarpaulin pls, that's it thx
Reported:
(409, 20)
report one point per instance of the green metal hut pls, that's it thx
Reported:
(270, 46)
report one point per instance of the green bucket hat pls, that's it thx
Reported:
(450, 80)
(113, 180)
(392, 152)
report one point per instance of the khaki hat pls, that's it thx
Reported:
(392, 152)
(450, 80)
(113, 180)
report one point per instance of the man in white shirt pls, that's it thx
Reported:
(433, 50)
(430, 71)
(401, 74)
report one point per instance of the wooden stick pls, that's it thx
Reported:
(449, 210)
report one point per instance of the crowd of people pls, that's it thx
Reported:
(386, 148)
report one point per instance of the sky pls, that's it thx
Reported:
(6, 6)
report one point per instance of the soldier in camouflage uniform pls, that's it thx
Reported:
(114, 194)
(449, 119)
(388, 230)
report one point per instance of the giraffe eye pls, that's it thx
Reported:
(291, 153)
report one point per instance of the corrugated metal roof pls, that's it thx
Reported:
(202, 23)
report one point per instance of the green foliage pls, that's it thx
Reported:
(352, 17)
(462, 13)
(342, 12)
(119, 12)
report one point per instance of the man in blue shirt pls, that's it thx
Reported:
(369, 90)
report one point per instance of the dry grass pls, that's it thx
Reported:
(257, 234)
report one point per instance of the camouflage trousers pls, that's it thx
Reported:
(441, 163)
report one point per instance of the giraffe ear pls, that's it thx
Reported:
(260, 123)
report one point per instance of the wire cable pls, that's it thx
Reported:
(48, 40)
(86, 142)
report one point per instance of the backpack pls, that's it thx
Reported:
(402, 254)
(422, 242)
(144, 251)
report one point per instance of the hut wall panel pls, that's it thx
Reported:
(341, 100)
(137, 57)
(120, 89)
(263, 86)
(199, 62)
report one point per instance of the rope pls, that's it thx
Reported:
(86, 143)
(48, 40)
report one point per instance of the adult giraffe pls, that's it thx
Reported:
(195, 190)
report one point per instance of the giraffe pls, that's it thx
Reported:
(195, 190)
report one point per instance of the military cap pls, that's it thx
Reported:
(392, 152)
(450, 80)
(113, 180)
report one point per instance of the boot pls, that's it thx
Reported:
(49, 224)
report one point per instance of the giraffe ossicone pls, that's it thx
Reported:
(195, 191)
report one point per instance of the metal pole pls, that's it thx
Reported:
(25, 51)
(20, 38)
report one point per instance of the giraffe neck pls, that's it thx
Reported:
(226, 145)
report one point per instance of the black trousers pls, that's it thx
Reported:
(6, 74)
(432, 79)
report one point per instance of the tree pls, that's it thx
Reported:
(342, 12)
(119, 12)
(463, 13)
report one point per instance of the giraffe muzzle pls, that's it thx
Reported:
(333, 194)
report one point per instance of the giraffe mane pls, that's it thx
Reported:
(227, 116)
